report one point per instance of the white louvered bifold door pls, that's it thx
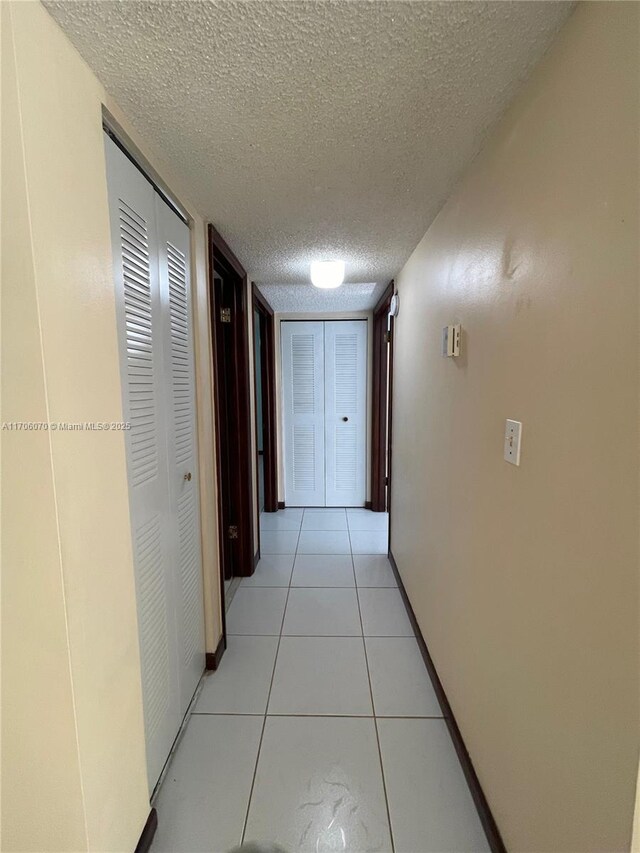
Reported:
(182, 448)
(345, 344)
(303, 400)
(140, 327)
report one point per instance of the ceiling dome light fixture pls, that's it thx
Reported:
(327, 274)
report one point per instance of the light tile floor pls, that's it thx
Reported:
(320, 731)
(230, 589)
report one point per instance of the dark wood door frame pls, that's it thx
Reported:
(381, 409)
(268, 413)
(392, 343)
(230, 331)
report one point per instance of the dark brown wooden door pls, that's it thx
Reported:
(231, 379)
(228, 448)
(381, 402)
(266, 413)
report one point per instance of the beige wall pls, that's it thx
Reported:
(36, 671)
(73, 764)
(525, 580)
(353, 315)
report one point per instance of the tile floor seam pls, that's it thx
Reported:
(178, 739)
(337, 636)
(373, 705)
(226, 714)
(319, 716)
(257, 635)
(266, 710)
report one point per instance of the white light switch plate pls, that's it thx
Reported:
(451, 341)
(512, 441)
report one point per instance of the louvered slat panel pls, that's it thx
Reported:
(346, 441)
(346, 378)
(189, 574)
(182, 392)
(303, 411)
(304, 457)
(136, 273)
(345, 402)
(303, 374)
(151, 288)
(179, 398)
(154, 638)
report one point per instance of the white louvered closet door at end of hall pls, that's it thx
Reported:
(157, 390)
(303, 386)
(324, 377)
(345, 359)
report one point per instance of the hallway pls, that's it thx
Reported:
(317, 255)
(320, 731)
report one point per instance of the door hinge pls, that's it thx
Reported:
(232, 532)
(387, 337)
(225, 315)
(386, 481)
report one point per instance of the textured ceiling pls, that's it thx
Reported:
(305, 297)
(314, 130)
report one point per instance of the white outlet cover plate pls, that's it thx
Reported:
(512, 441)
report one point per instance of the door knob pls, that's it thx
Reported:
(188, 476)
(345, 419)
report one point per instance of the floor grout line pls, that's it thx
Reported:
(326, 553)
(323, 586)
(273, 672)
(373, 704)
(227, 714)
(317, 716)
(337, 636)
(178, 739)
